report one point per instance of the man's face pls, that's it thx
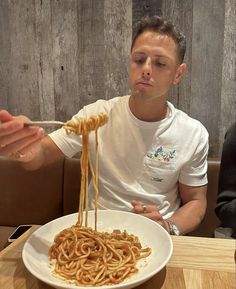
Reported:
(154, 66)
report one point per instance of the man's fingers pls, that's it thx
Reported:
(21, 134)
(28, 153)
(150, 211)
(5, 116)
(10, 127)
(135, 203)
(141, 208)
(21, 144)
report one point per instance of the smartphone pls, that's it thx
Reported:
(18, 232)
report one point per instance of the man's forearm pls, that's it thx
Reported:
(44, 154)
(36, 162)
(189, 216)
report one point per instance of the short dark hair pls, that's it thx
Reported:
(162, 26)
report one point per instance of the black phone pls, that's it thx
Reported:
(18, 232)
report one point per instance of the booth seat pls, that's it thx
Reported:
(37, 197)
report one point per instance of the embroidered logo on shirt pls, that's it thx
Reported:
(157, 179)
(161, 154)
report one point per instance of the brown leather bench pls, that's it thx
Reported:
(36, 197)
(40, 196)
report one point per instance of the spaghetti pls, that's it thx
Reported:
(80, 254)
(84, 127)
(85, 256)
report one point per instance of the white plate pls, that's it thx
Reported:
(150, 233)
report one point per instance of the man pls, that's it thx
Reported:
(152, 157)
(226, 201)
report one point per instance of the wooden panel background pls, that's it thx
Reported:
(58, 55)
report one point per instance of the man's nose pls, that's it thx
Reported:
(147, 67)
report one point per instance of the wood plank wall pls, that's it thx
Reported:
(58, 55)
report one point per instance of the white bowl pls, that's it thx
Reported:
(150, 233)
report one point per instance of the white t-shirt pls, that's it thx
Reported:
(141, 160)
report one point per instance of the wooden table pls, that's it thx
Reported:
(196, 263)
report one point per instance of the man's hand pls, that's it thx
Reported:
(150, 211)
(16, 141)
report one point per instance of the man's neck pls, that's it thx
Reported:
(149, 111)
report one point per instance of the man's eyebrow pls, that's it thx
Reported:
(138, 52)
(156, 55)
(161, 55)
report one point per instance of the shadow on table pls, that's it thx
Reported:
(156, 281)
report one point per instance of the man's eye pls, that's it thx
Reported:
(158, 63)
(139, 60)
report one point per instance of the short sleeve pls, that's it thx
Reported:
(69, 144)
(194, 171)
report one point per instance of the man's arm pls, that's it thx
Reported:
(45, 153)
(193, 208)
(226, 200)
(187, 217)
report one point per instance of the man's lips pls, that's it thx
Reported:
(143, 83)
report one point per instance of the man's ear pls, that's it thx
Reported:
(179, 73)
